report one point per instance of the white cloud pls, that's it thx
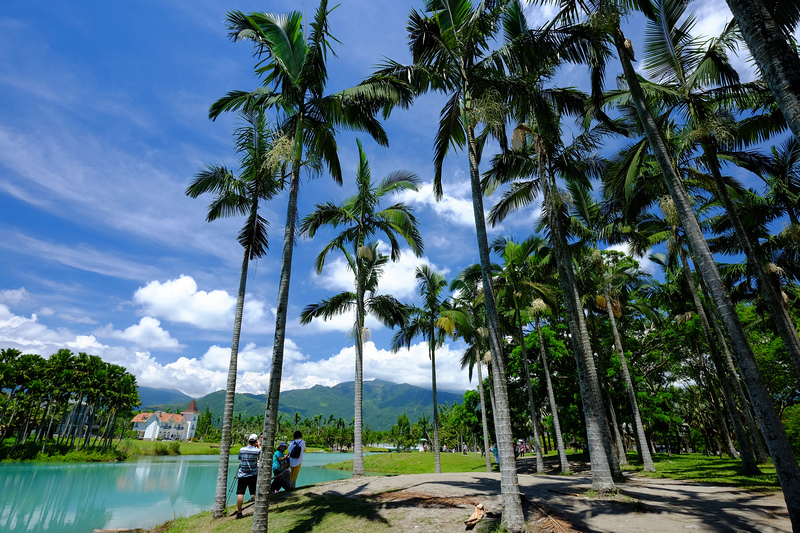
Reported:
(27, 334)
(406, 366)
(399, 280)
(179, 300)
(86, 342)
(251, 358)
(148, 333)
(454, 209)
(80, 256)
(15, 296)
(208, 373)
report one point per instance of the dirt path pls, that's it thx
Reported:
(441, 503)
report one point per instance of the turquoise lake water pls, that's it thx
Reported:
(80, 497)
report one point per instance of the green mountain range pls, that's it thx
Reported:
(384, 402)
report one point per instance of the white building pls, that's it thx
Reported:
(167, 426)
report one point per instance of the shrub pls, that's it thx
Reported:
(161, 449)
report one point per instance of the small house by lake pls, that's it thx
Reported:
(167, 426)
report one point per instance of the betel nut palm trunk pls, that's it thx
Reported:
(562, 454)
(769, 288)
(779, 448)
(261, 505)
(537, 443)
(432, 353)
(358, 421)
(604, 461)
(513, 518)
(220, 495)
(644, 452)
(749, 462)
(484, 424)
(777, 60)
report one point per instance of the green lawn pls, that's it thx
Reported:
(698, 467)
(416, 463)
(293, 512)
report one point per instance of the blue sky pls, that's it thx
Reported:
(103, 123)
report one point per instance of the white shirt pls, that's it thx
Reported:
(292, 461)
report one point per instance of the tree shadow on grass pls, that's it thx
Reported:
(310, 508)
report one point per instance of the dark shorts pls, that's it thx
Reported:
(247, 483)
(280, 483)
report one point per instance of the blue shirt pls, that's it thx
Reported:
(248, 457)
(276, 464)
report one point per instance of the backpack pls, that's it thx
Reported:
(296, 450)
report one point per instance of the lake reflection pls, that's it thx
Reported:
(141, 493)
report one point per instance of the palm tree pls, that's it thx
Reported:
(431, 323)
(539, 162)
(294, 72)
(591, 225)
(539, 308)
(606, 20)
(361, 219)
(767, 33)
(517, 290)
(368, 263)
(468, 299)
(239, 195)
(701, 82)
(449, 45)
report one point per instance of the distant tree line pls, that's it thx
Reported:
(57, 404)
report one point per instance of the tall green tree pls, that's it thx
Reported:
(369, 263)
(450, 44)
(697, 82)
(605, 18)
(516, 289)
(468, 296)
(591, 225)
(294, 73)
(258, 181)
(361, 218)
(538, 158)
(431, 323)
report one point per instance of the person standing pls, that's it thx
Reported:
(248, 471)
(296, 449)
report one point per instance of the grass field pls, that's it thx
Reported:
(694, 467)
(697, 467)
(416, 463)
(145, 447)
(294, 512)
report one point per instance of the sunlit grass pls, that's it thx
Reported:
(699, 467)
(417, 463)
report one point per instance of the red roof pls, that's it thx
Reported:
(164, 417)
(192, 408)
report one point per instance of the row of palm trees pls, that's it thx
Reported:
(67, 394)
(687, 121)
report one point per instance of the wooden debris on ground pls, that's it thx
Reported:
(477, 515)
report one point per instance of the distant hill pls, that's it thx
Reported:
(154, 397)
(384, 402)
